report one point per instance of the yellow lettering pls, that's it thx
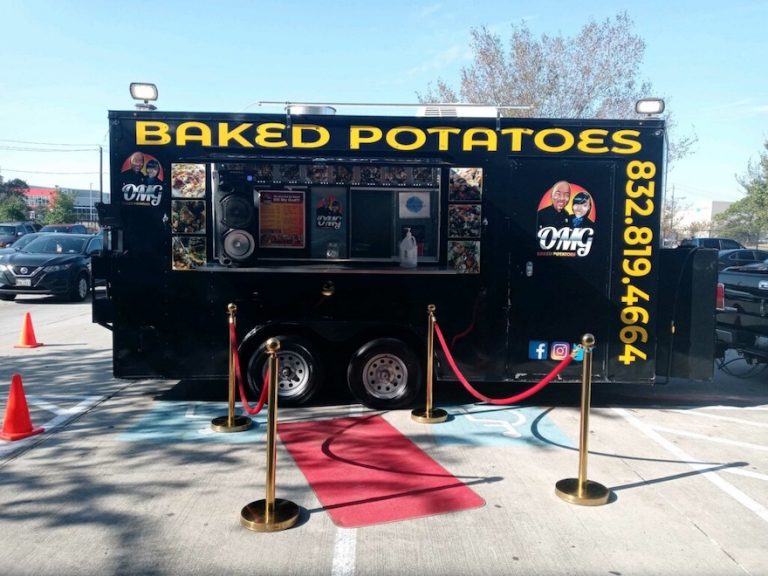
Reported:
(626, 142)
(193, 132)
(322, 136)
(442, 135)
(363, 135)
(516, 141)
(419, 138)
(481, 138)
(592, 141)
(149, 133)
(225, 135)
(540, 140)
(270, 135)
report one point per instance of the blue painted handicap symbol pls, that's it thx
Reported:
(191, 422)
(487, 425)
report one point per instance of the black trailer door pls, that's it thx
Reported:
(559, 254)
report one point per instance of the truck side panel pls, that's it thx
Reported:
(297, 221)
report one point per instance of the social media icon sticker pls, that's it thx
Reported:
(559, 350)
(579, 355)
(537, 349)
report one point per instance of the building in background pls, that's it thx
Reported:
(718, 207)
(85, 201)
(38, 200)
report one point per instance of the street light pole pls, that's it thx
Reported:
(101, 174)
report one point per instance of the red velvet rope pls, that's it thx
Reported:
(239, 377)
(512, 399)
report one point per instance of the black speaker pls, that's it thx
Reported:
(237, 211)
(235, 241)
(238, 246)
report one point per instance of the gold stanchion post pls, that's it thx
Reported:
(428, 415)
(580, 490)
(230, 422)
(271, 514)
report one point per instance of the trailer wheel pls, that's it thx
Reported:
(384, 374)
(299, 372)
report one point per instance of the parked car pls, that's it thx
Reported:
(742, 321)
(12, 231)
(57, 264)
(65, 228)
(20, 243)
(739, 257)
(716, 243)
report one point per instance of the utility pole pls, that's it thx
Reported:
(101, 174)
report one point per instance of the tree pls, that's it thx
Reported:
(13, 209)
(591, 75)
(13, 200)
(747, 218)
(63, 210)
(698, 227)
(13, 189)
(672, 229)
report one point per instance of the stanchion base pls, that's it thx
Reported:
(253, 516)
(593, 494)
(424, 416)
(239, 424)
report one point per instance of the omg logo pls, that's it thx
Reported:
(150, 194)
(576, 240)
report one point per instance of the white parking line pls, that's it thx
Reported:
(345, 545)
(62, 416)
(714, 439)
(344, 552)
(755, 507)
(747, 473)
(726, 418)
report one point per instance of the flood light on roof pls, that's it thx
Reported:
(649, 106)
(145, 92)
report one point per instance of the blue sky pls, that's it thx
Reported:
(65, 64)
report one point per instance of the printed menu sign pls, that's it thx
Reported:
(281, 219)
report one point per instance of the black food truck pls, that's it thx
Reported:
(334, 233)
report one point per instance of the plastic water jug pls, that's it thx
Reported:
(408, 250)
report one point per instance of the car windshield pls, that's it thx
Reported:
(24, 240)
(7, 230)
(46, 244)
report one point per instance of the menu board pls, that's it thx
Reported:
(281, 219)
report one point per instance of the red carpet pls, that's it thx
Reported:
(364, 472)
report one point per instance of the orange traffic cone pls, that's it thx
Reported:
(17, 424)
(27, 338)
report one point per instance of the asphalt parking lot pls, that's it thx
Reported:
(128, 478)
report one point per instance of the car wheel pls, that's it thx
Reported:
(80, 289)
(385, 374)
(299, 372)
(7, 297)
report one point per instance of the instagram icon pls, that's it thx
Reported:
(559, 350)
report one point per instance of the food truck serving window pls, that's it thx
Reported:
(343, 212)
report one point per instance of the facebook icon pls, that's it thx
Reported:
(537, 349)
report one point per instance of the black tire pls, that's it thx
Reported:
(80, 289)
(300, 372)
(385, 374)
(8, 297)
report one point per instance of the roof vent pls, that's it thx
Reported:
(460, 111)
(310, 109)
